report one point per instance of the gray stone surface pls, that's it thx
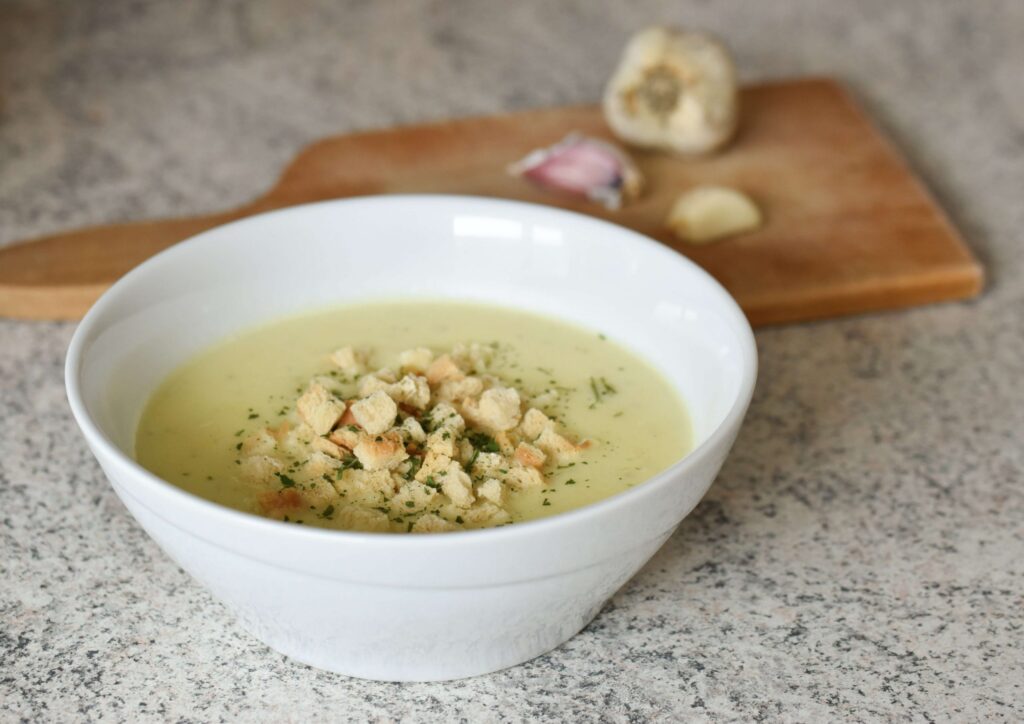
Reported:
(861, 556)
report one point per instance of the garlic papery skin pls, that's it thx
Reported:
(709, 213)
(673, 90)
(579, 165)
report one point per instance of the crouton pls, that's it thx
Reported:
(345, 437)
(445, 417)
(357, 517)
(260, 442)
(411, 390)
(506, 442)
(376, 413)
(380, 452)
(372, 383)
(368, 487)
(492, 490)
(433, 465)
(559, 448)
(456, 390)
(497, 409)
(319, 464)
(277, 503)
(412, 430)
(474, 356)
(529, 455)
(442, 442)
(259, 469)
(534, 423)
(489, 465)
(349, 360)
(325, 446)
(320, 409)
(412, 497)
(416, 360)
(319, 494)
(297, 440)
(458, 486)
(485, 513)
(431, 523)
(443, 368)
(521, 477)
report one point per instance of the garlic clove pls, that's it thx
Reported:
(582, 166)
(708, 213)
(673, 90)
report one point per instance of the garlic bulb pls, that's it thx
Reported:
(707, 213)
(673, 90)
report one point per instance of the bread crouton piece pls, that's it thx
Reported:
(350, 361)
(497, 410)
(377, 381)
(319, 464)
(530, 455)
(278, 503)
(534, 423)
(325, 446)
(297, 440)
(260, 469)
(489, 465)
(376, 413)
(412, 430)
(457, 485)
(443, 368)
(521, 477)
(507, 442)
(319, 408)
(380, 452)
(319, 494)
(442, 442)
(445, 417)
(366, 487)
(559, 448)
(492, 490)
(433, 466)
(456, 390)
(345, 437)
(474, 356)
(260, 442)
(360, 518)
(432, 523)
(485, 514)
(412, 497)
(416, 360)
(411, 390)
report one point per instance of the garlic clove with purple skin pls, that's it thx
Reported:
(582, 166)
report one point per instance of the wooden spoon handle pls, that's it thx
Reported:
(60, 276)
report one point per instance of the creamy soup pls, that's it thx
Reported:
(412, 416)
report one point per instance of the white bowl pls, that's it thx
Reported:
(402, 607)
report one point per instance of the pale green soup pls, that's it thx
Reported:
(191, 430)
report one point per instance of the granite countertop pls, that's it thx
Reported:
(861, 555)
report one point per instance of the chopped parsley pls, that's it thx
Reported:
(286, 482)
(482, 442)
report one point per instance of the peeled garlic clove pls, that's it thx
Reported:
(673, 90)
(582, 166)
(707, 213)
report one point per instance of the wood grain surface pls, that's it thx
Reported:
(848, 227)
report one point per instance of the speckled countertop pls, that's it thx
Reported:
(860, 557)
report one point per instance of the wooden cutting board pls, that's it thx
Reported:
(849, 228)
